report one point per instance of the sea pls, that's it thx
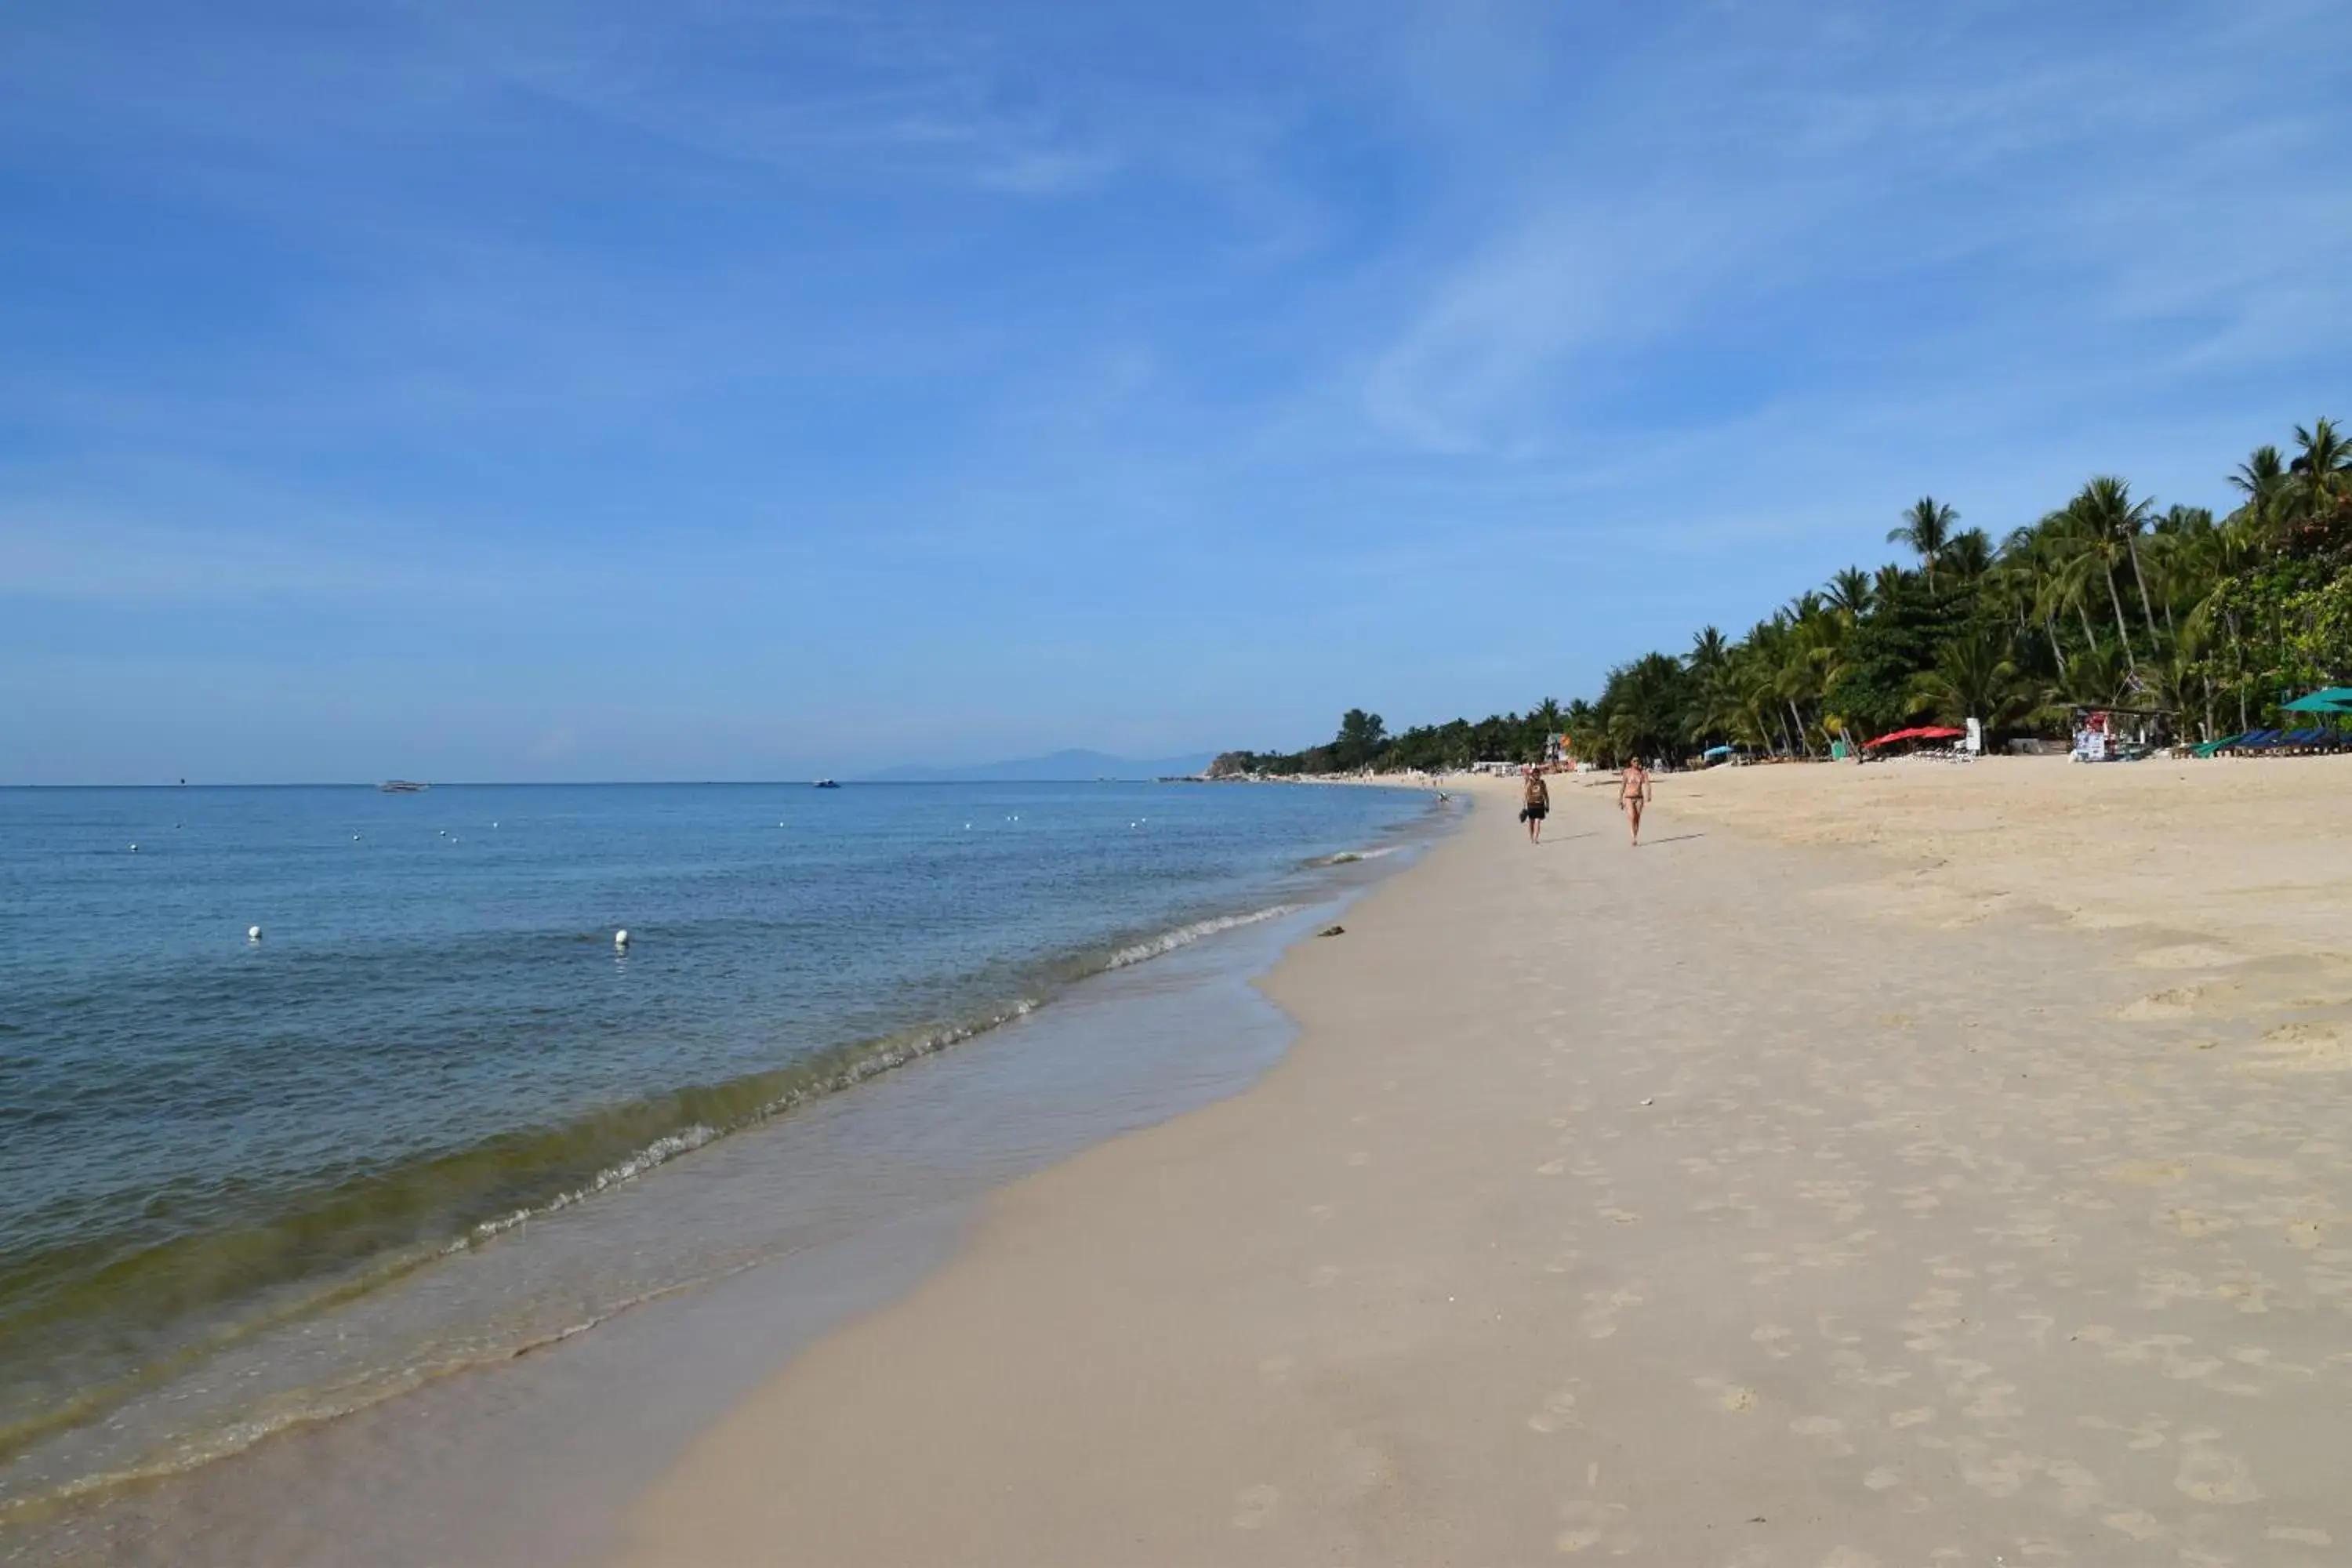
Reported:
(312, 1096)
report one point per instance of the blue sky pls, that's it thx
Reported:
(706, 390)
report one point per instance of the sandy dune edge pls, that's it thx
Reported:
(1703, 1205)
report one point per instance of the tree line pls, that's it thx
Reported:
(2202, 624)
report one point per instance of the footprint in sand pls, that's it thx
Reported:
(2213, 1477)
(1588, 1523)
(1599, 1319)
(1254, 1505)
(2178, 1001)
(2299, 1535)
(1559, 1410)
(2302, 1047)
(2187, 955)
(2195, 1223)
(1826, 1430)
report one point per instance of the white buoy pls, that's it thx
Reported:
(253, 933)
(134, 849)
(621, 939)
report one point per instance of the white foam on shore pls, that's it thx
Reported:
(1184, 936)
(1350, 857)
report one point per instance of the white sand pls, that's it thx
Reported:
(1730, 1201)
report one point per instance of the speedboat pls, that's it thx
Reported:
(828, 784)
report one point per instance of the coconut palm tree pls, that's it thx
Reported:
(2026, 572)
(1849, 594)
(2321, 472)
(1974, 678)
(1926, 528)
(1709, 650)
(2327, 456)
(2107, 512)
(1969, 556)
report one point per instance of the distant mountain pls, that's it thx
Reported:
(1062, 766)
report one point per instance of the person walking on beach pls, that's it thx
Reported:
(1633, 793)
(1535, 804)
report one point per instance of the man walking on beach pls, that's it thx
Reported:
(1633, 793)
(1535, 804)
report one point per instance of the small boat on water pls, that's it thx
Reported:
(403, 786)
(828, 784)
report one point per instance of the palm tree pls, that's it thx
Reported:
(1926, 528)
(1974, 678)
(1970, 556)
(2092, 679)
(2324, 470)
(2262, 478)
(1708, 652)
(2025, 570)
(1849, 593)
(2106, 512)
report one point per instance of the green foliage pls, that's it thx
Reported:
(2105, 602)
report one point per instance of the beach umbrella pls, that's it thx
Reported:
(2332, 699)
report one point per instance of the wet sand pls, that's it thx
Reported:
(1771, 1194)
(747, 1250)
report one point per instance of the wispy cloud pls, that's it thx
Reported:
(1077, 366)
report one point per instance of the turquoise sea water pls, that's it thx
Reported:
(204, 1136)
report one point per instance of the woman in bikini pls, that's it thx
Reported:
(1633, 793)
(1535, 804)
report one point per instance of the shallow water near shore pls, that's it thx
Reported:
(777, 965)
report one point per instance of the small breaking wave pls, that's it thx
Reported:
(376, 1231)
(1184, 936)
(1348, 856)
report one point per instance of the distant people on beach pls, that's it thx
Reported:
(1535, 803)
(1632, 794)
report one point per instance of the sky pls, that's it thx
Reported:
(704, 390)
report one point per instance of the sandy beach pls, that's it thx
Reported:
(1889, 1165)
